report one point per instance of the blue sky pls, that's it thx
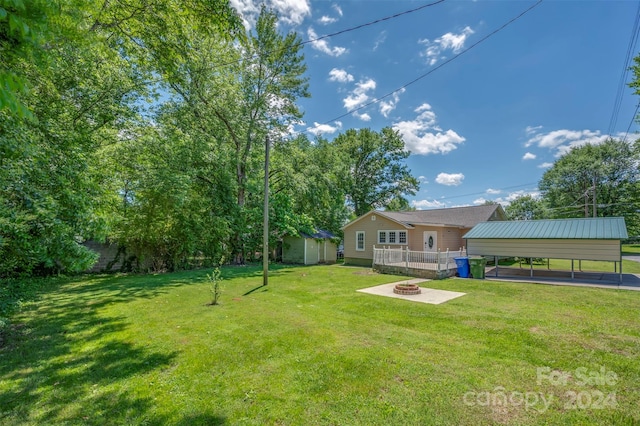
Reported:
(487, 124)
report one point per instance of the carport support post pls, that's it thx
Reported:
(620, 271)
(495, 259)
(531, 266)
(571, 268)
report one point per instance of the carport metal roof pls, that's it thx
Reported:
(599, 228)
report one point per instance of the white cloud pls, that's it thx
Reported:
(421, 136)
(493, 191)
(529, 156)
(505, 201)
(427, 204)
(319, 129)
(355, 100)
(479, 201)
(381, 39)
(449, 41)
(450, 179)
(323, 45)
(363, 117)
(545, 165)
(341, 76)
(292, 12)
(531, 130)
(326, 20)
(386, 106)
(359, 96)
(563, 140)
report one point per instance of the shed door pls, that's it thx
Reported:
(430, 240)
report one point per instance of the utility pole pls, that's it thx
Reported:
(595, 204)
(265, 225)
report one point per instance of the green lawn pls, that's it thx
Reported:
(308, 349)
(631, 249)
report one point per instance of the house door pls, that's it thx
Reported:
(430, 240)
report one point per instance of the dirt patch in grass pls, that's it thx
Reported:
(365, 272)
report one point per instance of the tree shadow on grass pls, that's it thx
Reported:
(69, 364)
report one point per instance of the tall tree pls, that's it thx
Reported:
(374, 169)
(22, 30)
(81, 94)
(595, 181)
(525, 207)
(237, 88)
(309, 174)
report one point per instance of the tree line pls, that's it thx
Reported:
(145, 123)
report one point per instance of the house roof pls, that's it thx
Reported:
(463, 217)
(456, 216)
(320, 234)
(600, 228)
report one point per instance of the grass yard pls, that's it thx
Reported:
(631, 249)
(310, 350)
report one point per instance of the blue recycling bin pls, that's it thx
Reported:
(462, 263)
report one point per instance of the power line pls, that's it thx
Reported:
(484, 192)
(347, 30)
(377, 21)
(376, 100)
(631, 122)
(623, 75)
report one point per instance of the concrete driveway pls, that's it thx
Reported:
(580, 279)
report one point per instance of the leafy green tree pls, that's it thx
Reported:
(310, 174)
(374, 173)
(161, 213)
(595, 181)
(525, 207)
(399, 204)
(21, 31)
(228, 90)
(81, 94)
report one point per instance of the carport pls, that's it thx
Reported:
(571, 239)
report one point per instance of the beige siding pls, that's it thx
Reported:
(414, 238)
(608, 250)
(370, 228)
(448, 238)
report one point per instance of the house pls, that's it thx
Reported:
(420, 230)
(309, 249)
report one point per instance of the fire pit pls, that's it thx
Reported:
(406, 289)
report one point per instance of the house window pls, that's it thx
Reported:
(402, 237)
(359, 240)
(392, 237)
(382, 237)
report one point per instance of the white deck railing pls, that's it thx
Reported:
(433, 260)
